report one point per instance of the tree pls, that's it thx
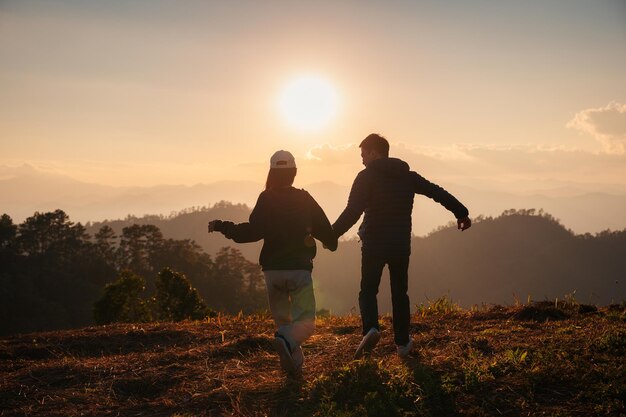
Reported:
(138, 246)
(8, 250)
(105, 244)
(56, 267)
(122, 302)
(237, 283)
(176, 299)
(254, 289)
(8, 231)
(43, 233)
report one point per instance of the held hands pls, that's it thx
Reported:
(463, 224)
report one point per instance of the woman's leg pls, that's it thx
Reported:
(278, 297)
(292, 303)
(302, 306)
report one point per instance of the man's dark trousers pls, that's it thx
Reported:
(371, 272)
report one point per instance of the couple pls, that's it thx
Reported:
(289, 220)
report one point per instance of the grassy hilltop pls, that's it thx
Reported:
(544, 359)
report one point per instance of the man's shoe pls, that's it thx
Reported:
(286, 360)
(403, 351)
(367, 344)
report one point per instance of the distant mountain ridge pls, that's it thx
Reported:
(25, 190)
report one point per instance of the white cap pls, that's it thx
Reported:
(282, 159)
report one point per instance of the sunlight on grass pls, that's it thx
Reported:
(441, 306)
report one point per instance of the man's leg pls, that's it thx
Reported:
(399, 276)
(371, 271)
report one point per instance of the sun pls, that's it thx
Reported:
(308, 103)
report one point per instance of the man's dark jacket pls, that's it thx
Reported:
(283, 218)
(384, 190)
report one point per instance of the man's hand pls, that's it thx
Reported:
(463, 224)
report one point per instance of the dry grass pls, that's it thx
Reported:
(537, 360)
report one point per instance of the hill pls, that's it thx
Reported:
(543, 359)
(521, 253)
(191, 224)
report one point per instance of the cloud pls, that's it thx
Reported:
(521, 168)
(605, 124)
(334, 155)
(26, 170)
(538, 162)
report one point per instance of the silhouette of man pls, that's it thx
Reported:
(384, 190)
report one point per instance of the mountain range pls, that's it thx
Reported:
(26, 189)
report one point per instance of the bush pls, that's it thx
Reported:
(121, 301)
(176, 299)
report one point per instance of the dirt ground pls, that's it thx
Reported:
(532, 360)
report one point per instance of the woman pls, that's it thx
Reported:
(287, 219)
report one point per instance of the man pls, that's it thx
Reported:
(384, 190)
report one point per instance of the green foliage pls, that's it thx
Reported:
(510, 361)
(368, 388)
(474, 374)
(613, 342)
(176, 299)
(235, 278)
(52, 273)
(122, 302)
(475, 371)
(138, 245)
(50, 232)
(441, 306)
(516, 356)
(8, 231)
(617, 312)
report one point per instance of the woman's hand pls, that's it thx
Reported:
(213, 225)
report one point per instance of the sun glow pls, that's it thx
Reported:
(308, 103)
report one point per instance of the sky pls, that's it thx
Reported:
(501, 95)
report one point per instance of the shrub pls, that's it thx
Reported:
(176, 299)
(121, 301)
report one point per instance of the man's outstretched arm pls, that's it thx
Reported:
(464, 223)
(437, 193)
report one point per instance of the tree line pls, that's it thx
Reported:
(52, 273)
(521, 253)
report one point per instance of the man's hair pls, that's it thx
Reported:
(377, 143)
(280, 177)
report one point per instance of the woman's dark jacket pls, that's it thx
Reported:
(384, 190)
(283, 218)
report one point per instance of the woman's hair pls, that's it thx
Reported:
(280, 177)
